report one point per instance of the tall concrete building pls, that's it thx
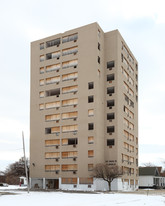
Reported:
(84, 109)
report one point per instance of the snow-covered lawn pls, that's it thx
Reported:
(78, 199)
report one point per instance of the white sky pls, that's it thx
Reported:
(142, 25)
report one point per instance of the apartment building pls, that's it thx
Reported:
(84, 109)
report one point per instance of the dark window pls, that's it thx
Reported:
(90, 99)
(98, 59)
(131, 103)
(53, 92)
(110, 90)
(110, 142)
(136, 77)
(47, 130)
(136, 67)
(110, 129)
(136, 88)
(110, 116)
(122, 57)
(90, 126)
(110, 64)
(110, 103)
(49, 56)
(136, 98)
(110, 77)
(98, 46)
(90, 85)
(53, 42)
(72, 141)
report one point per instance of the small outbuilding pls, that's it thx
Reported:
(23, 181)
(150, 177)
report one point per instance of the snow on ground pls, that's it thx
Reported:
(78, 199)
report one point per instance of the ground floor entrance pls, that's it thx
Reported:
(52, 184)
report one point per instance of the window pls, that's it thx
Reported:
(41, 106)
(41, 70)
(90, 85)
(52, 130)
(131, 137)
(52, 142)
(99, 33)
(90, 126)
(90, 140)
(69, 167)
(69, 180)
(72, 63)
(136, 67)
(70, 89)
(110, 64)
(52, 155)
(41, 46)
(70, 102)
(110, 129)
(126, 122)
(136, 98)
(68, 51)
(90, 99)
(52, 80)
(136, 88)
(71, 154)
(52, 117)
(53, 92)
(91, 112)
(110, 77)
(53, 67)
(53, 55)
(41, 82)
(68, 38)
(66, 77)
(70, 128)
(41, 94)
(42, 58)
(136, 77)
(110, 116)
(131, 81)
(50, 168)
(54, 42)
(110, 142)
(126, 134)
(98, 46)
(131, 92)
(110, 103)
(110, 90)
(90, 153)
(70, 141)
(98, 59)
(126, 87)
(50, 105)
(90, 167)
(131, 103)
(70, 115)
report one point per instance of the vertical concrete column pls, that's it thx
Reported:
(44, 183)
(30, 183)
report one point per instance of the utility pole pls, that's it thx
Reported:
(25, 161)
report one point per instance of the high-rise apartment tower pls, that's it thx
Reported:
(84, 109)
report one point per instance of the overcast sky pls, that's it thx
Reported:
(140, 22)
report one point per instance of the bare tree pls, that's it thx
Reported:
(149, 164)
(14, 171)
(107, 173)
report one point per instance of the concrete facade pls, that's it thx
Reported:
(84, 109)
